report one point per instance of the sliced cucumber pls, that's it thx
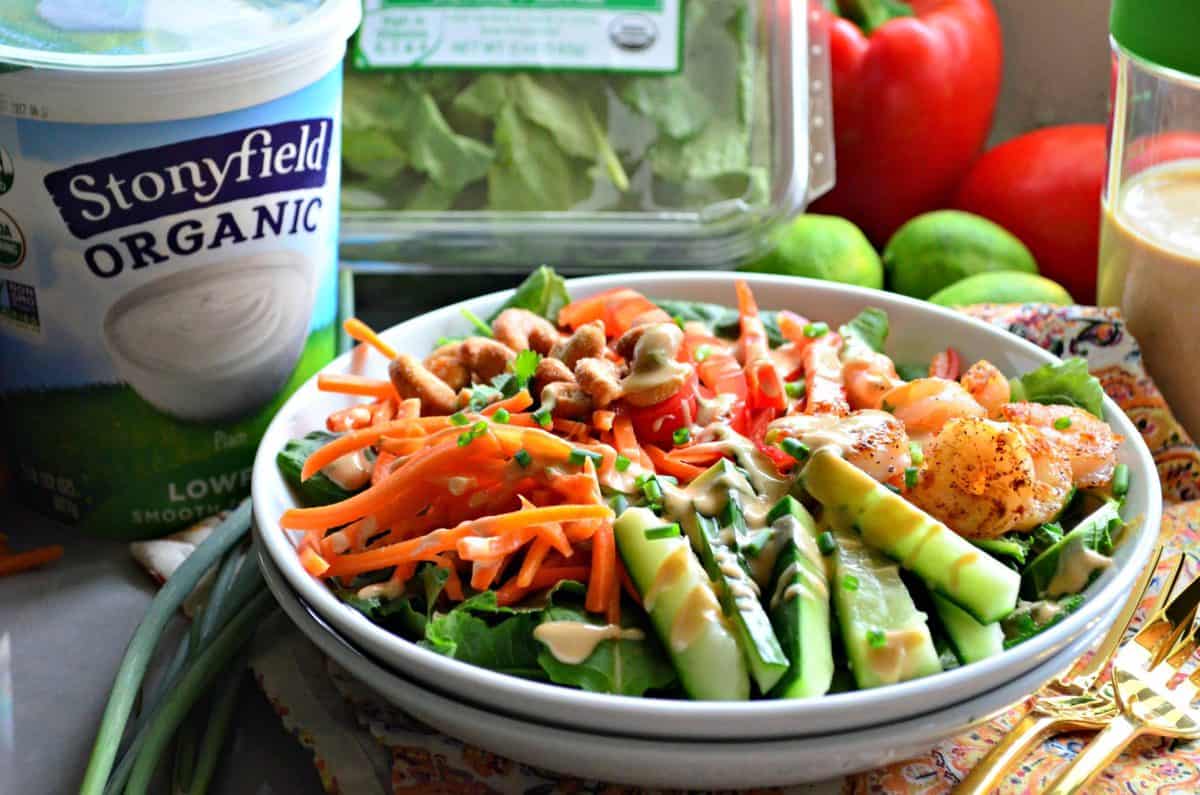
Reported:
(1074, 560)
(887, 639)
(799, 604)
(977, 582)
(683, 608)
(970, 640)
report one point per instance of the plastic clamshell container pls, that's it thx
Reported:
(587, 169)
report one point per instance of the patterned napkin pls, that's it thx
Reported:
(362, 745)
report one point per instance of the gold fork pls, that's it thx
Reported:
(1069, 702)
(1141, 678)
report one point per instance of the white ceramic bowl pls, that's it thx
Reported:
(696, 764)
(918, 331)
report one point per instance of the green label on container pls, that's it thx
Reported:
(579, 35)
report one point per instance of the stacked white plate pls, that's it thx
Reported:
(661, 742)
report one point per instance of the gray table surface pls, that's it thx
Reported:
(65, 629)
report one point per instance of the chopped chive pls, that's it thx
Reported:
(1120, 481)
(795, 389)
(681, 435)
(578, 456)
(850, 582)
(473, 319)
(891, 488)
(826, 543)
(703, 352)
(618, 503)
(523, 457)
(795, 448)
(465, 439)
(916, 453)
(1062, 423)
(641, 479)
(662, 531)
(910, 477)
(654, 506)
(477, 430)
(814, 330)
(543, 418)
(876, 638)
(678, 321)
(622, 463)
(458, 418)
(501, 415)
(652, 490)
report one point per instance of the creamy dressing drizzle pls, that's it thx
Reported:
(673, 567)
(391, 589)
(1076, 564)
(654, 366)
(699, 610)
(798, 579)
(572, 642)
(895, 660)
(958, 565)
(350, 472)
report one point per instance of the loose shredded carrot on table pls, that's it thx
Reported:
(365, 334)
(348, 384)
(446, 539)
(16, 562)
(665, 465)
(511, 592)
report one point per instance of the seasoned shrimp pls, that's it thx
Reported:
(874, 441)
(868, 377)
(984, 382)
(522, 330)
(926, 404)
(1087, 441)
(984, 478)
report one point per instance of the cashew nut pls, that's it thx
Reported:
(412, 380)
(600, 379)
(587, 341)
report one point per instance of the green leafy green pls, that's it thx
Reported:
(723, 320)
(1084, 552)
(506, 646)
(1013, 546)
(543, 293)
(911, 372)
(319, 489)
(451, 160)
(865, 332)
(1065, 383)
(524, 366)
(678, 108)
(1022, 624)
(531, 172)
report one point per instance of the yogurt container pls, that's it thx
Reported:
(169, 179)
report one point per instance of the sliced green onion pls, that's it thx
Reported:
(681, 435)
(1062, 423)
(477, 430)
(876, 638)
(795, 389)
(850, 582)
(795, 448)
(703, 352)
(662, 531)
(622, 463)
(501, 415)
(1120, 480)
(578, 456)
(523, 457)
(460, 419)
(473, 319)
(543, 418)
(618, 503)
(826, 543)
(652, 490)
(910, 477)
(916, 454)
(678, 321)
(814, 330)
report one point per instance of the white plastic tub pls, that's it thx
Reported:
(169, 177)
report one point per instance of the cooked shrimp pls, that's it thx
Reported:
(874, 441)
(1087, 441)
(984, 478)
(868, 376)
(825, 392)
(984, 382)
(926, 404)
(522, 330)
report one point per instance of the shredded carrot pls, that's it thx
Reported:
(571, 427)
(623, 435)
(791, 326)
(604, 553)
(383, 466)
(511, 592)
(603, 419)
(665, 465)
(484, 574)
(613, 607)
(14, 563)
(365, 437)
(350, 418)
(383, 411)
(702, 455)
(478, 549)
(533, 561)
(347, 384)
(518, 402)
(453, 586)
(365, 334)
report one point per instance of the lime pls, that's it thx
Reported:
(937, 249)
(1002, 287)
(822, 247)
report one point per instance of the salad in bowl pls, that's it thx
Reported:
(655, 497)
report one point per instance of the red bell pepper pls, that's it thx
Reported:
(913, 98)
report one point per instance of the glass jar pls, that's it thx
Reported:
(627, 133)
(1150, 229)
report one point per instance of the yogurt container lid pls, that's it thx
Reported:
(152, 34)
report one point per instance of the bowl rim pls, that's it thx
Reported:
(1101, 596)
